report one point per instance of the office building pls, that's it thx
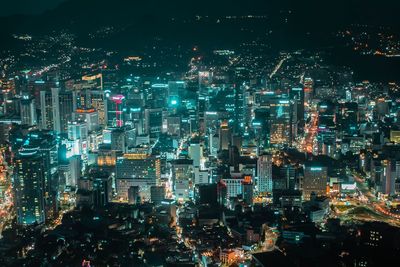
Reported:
(136, 170)
(264, 173)
(28, 111)
(29, 186)
(315, 180)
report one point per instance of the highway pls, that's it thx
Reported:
(364, 206)
(377, 205)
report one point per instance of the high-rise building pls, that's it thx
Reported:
(29, 186)
(315, 180)
(348, 118)
(118, 139)
(56, 109)
(153, 122)
(280, 122)
(98, 101)
(247, 190)
(102, 188)
(326, 127)
(48, 150)
(225, 136)
(159, 96)
(77, 130)
(173, 126)
(75, 169)
(213, 144)
(247, 194)
(136, 170)
(46, 108)
(261, 127)
(297, 94)
(389, 176)
(202, 107)
(28, 110)
(78, 135)
(308, 89)
(183, 178)
(233, 186)
(264, 174)
(196, 153)
(239, 185)
(90, 116)
(55, 103)
(288, 174)
(65, 109)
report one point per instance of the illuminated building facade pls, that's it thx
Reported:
(29, 186)
(136, 170)
(315, 180)
(264, 173)
(28, 110)
(280, 120)
(225, 136)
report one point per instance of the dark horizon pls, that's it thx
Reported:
(27, 7)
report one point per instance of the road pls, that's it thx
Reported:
(6, 196)
(378, 206)
(307, 142)
(278, 66)
(364, 207)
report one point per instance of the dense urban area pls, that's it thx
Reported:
(191, 154)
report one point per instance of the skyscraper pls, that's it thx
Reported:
(280, 111)
(326, 127)
(46, 108)
(153, 122)
(182, 178)
(225, 136)
(98, 101)
(65, 109)
(196, 153)
(288, 174)
(48, 150)
(29, 183)
(315, 179)
(264, 173)
(56, 109)
(55, 104)
(28, 110)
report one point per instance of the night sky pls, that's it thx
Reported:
(12, 7)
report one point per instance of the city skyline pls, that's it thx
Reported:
(220, 133)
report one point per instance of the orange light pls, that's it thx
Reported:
(247, 179)
(81, 110)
